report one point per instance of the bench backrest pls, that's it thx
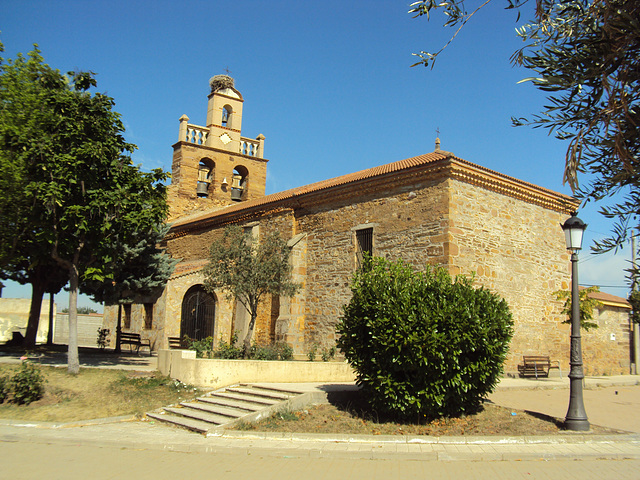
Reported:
(535, 359)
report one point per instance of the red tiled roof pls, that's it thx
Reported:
(400, 166)
(607, 298)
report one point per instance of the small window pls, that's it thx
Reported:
(126, 316)
(148, 316)
(364, 244)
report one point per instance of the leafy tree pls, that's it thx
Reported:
(22, 258)
(140, 269)
(587, 304)
(586, 56)
(423, 345)
(248, 270)
(81, 189)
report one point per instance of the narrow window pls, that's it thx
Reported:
(148, 316)
(126, 314)
(364, 244)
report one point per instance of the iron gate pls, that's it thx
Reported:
(198, 313)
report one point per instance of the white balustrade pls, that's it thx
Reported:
(249, 147)
(196, 134)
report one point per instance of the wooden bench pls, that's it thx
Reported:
(175, 343)
(134, 339)
(538, 365)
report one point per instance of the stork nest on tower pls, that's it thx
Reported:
(220, 82)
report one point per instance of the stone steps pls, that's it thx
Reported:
(225, 406)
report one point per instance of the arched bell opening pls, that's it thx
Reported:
(206, 170)
(239, 183)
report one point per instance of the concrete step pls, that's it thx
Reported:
(261, 393)
(180, 421)
(229, 402)
(247, 399)
(227, 405)
(272, 389)
(208, 417)
(229, 412)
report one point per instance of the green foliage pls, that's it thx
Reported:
(103, 334)
(202, 347)
(140, 268)
(248, 270)
(274, 351)
(313, 351)
(423, 345)
(587, 304)
(82, 196)
(229, 351)
(634, 300)
(27, 384)
(328, 354)
(5, 387)
(80, 310)
(585, 55)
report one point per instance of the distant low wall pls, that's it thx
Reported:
(215, 373)
(88, 325)
(14, 316)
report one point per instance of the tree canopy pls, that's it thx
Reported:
(585, 54)
(80, 191)
(248, 270)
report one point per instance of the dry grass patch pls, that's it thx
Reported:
(96, 393)
(352, 416)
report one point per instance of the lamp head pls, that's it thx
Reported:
(573, 230)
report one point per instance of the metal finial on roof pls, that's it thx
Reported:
(437, 139)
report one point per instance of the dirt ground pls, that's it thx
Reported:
(351, 417)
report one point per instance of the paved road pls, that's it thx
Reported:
(149, 450)
(70, 462)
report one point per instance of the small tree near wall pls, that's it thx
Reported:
(248, 270)
(423, 345)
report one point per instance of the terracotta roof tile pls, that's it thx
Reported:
(608, 298)
(324, 184)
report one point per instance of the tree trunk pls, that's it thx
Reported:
(37, 292)
(118, 329)
(73, 361)
(51, 322)
(247, 339)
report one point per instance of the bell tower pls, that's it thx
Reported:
(215, 166)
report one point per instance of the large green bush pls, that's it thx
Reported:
(423, 345)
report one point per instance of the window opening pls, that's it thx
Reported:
(364, 244)
(148, 316)
(126, 313)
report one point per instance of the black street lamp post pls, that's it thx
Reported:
(576, 415)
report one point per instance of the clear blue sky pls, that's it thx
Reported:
(328, 83)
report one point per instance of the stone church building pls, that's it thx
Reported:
(432, 209)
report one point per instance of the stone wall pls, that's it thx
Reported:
(606, 350)
(407, 223)
(517, 250)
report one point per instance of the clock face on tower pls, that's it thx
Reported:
(225, 138)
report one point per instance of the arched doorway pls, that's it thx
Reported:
(198, 313)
